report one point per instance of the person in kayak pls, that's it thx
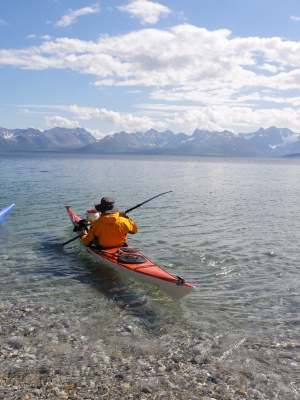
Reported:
(111, 228)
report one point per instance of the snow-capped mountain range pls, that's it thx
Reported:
(264, 142)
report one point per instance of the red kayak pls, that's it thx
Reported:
(134, 264)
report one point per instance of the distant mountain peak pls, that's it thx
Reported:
(54, 139)
(270, 141)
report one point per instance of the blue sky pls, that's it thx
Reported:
(132, 65)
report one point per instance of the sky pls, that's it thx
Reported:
(132, 65)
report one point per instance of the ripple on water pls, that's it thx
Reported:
(226, 228)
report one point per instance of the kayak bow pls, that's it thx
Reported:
(130, 262)
(4, 213)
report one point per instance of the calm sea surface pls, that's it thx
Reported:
(230, 227)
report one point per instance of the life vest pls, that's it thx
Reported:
(109, 230)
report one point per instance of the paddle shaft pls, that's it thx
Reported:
(71, 240)
(146, 201)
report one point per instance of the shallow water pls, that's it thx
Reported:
(230, 227)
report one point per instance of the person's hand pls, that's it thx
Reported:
(123, 214)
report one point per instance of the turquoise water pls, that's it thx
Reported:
(230, 227)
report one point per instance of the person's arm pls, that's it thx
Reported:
(87, 237)
(132, 228)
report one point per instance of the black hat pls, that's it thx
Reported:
(106, 206)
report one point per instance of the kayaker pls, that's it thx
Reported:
(111, 228)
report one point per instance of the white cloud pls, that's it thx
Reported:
(71, 17)
(193, 77)
(294, 18)
(182, 56)
(120, 121)
(96, 133)
(46, 37)
(147, 11)
(61, 122)
(186, 59)
(219, 118)
(269, 67)
(174, 117)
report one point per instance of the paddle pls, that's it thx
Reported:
(146, 201)
(126, 212)
(71, 240)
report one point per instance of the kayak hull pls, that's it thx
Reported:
(5, 212)
(132, 263)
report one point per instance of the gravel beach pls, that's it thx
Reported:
(47, 354)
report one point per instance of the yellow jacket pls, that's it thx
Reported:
(110, 230)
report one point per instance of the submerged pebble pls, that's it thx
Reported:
(61, 356)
